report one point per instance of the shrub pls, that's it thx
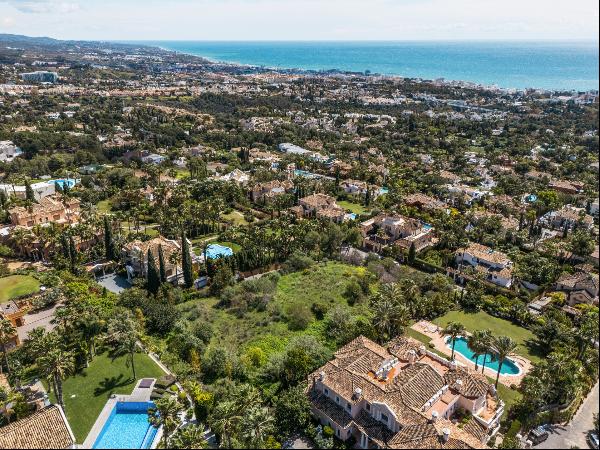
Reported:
(298, 316)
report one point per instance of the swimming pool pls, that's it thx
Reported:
(508, 368)
(62, 181)
(214, 251)
(127, 427)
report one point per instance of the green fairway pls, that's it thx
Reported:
(86, 393)
(15, 286)
(499, 327)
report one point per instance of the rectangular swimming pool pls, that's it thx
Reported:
(127, 427)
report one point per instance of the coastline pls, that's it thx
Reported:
(332, 70)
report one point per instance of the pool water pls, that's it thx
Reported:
(214, 251)
(61, 182)
(508, 368)
(127, 427)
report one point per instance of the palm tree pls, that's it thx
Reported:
(190, 437)
(478, 343)
(166, 414)
(257, 425)
(454, 330)
(57, 365)
(503, 347)
(226, 418)
(389, 314)
(7, 332)
(411, 294)
(123, 335)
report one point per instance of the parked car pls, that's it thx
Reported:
(538, 435)
(593, 439)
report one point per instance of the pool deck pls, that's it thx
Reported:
(438, 340)
(137, 395)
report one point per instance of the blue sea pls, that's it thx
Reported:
(546, 65)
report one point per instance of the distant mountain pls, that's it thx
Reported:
(16, 39)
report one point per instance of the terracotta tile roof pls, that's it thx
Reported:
(413, 381)
(485, 253)
(46, 428)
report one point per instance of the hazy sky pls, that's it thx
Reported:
(301, 19)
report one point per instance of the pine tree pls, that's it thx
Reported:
(161, 264)
(186, 262)
(108, 240)
(152, 278)
(412, 254)
(29, 195)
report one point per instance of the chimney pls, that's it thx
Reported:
(412, 357)
(357, 393)
(458, 383)
(422, 350)
(321, 376)
(453, 365)
(445, 435)
(434, 416)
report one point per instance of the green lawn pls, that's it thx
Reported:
(104, 206)
(499, 327)
(17, 285)
(354, 207)
(236, 217)
(86, 393)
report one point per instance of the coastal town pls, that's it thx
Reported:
(206, 255)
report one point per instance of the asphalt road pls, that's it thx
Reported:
(575, 433)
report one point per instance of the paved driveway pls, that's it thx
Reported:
(37, 319)
(114, 283)
(575, 433)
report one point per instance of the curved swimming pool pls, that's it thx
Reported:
(508, 368)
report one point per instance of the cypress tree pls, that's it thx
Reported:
(412, 254)
(29, 195)
(72, 255)
(161, 264)
(108, 240)
(186, 262)
(152, 278)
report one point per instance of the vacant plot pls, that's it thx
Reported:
(323, 284)
(86, 393)
(499, 327)
(16, 286)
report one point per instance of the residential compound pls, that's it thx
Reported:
(567, 218)
(57, 209)
(266, 192)
(402, 396)
(8, 151)
(495, 265)
(135, 257)
(321, 206)
(386, 230)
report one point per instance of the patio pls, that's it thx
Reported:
(438, 340)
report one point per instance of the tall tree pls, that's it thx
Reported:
(29, 195)
(56, 365)
(161, 264)
(186, 262)
(123, 336)
(503, 347)
(109, 245)
(7, 332)
(152, 274)
(454, 330)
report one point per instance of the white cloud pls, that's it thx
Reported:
(306, 19)
(44, 6)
